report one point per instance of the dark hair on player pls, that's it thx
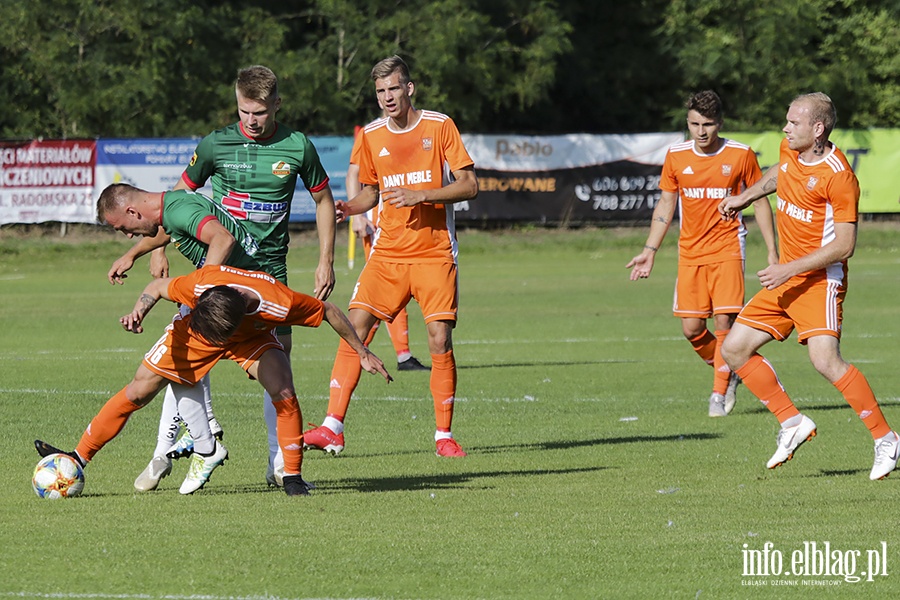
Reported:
(707, 103)
(218, 313)
(114, 196)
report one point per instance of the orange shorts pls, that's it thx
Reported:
(184, 358)
(813, 307)
(702, 291)
(384, 288)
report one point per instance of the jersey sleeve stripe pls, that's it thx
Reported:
(430, 115)
(376, 124)
(320, 187)
(202, 224)
(738, 145)
(188, 182)
(835, 163)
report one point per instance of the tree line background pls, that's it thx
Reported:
(165, 68)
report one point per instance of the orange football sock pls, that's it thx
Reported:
(372, 331)
(288, 429)
(760, 378)
(106, 425)
(705, 346)
(443, 388)
(720, 380)
(344, 379)
(859, 395)
(398, 330)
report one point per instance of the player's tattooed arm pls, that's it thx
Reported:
(770, 184)
(155, 290)
(144, 304)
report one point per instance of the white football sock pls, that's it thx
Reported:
(334, 425)
(169, 423)
(192, 408)
(271, 417)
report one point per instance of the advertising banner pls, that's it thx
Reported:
(566, 180)
(47, 181)
(562, 180)
(150, 164)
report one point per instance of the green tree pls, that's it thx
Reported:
(759, 54)
(81, 68)
(471, 64)
(158, 68)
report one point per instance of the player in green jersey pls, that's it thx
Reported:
(200, 229)
(205, 234)
(253, 166)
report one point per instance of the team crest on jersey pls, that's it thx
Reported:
(812, 183)
(194, 159)
(427, 143)
(726, 170)
(281, 169)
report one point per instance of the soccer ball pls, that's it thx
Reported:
(57, 476)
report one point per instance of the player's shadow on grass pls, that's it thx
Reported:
(760, 409)
(538, 446)
(547, 363)
(839, 472)
(569, 444)
(442, 481)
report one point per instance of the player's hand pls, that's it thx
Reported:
(362, 226)
(641, 265)
(132, 322)
(730, 207)
(117, 271)
(402, 197)
(373, 364)
(324, 282)
(774, 275)
(341, 212)
(159, 264)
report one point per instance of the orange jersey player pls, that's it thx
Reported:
(414, 166)
(364, 227)
(233, 315)
(818, 200)
(697, 175)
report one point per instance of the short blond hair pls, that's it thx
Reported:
(257, 83)
(389, 66)
(821, 109)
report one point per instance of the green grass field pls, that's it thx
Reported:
(593, 470)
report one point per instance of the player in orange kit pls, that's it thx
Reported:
(696, 175)
(414, 166)
(817, 212)
(364, 228)
(233, 315)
